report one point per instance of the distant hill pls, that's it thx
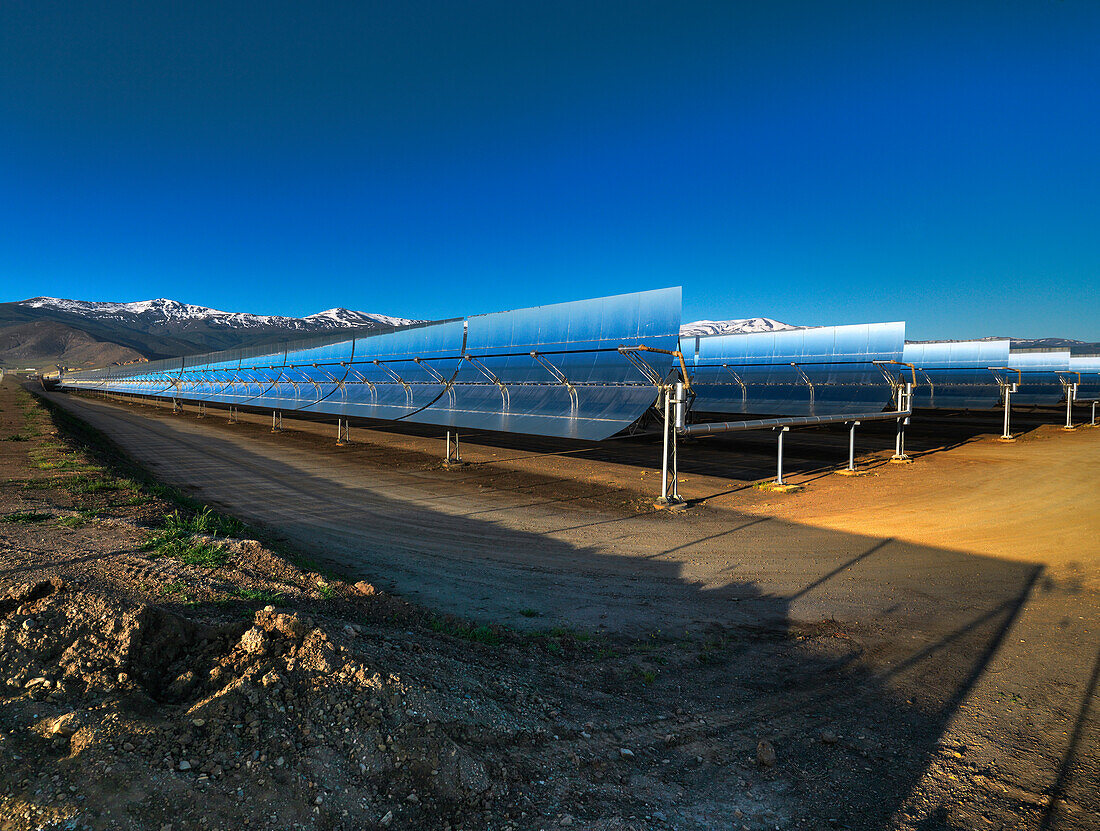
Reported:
(1077, 347)
(151, 329)
(42, 344)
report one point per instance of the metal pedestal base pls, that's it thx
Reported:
(453, 458)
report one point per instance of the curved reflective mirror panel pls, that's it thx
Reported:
(828, 370)
(1085, 370)
(1041, 374)
(957, 374)
(569, 370)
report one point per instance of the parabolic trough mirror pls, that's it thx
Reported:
(570, 370)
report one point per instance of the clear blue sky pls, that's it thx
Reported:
(816, 162)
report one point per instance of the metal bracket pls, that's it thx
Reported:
(561, 379)
(484, 370)
(808, 382)
(643, 367)
(398, 378)
(448, 386)
(740, 383)
(363, 380)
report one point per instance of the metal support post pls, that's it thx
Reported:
(852, 447)
(905, 398)
(670, 478)
(453, 457)
(664, 448)
(176, 406)
(232, 414)
(1093, 422)
(1071, 394)
(779, 457)
(276, 421)
(343, 432)
(202, 409)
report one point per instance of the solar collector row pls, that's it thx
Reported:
(565, 370)
(551, 370)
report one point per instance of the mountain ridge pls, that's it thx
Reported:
(157, 328)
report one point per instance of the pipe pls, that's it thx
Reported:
(793, 421)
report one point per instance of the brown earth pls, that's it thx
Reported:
(900, 684)
(44, 343)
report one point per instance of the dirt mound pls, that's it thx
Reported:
(280, 705)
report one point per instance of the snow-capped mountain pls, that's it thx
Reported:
(732, 327)
(163, 312)
(163, 328)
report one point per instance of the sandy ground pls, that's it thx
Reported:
(967, 578)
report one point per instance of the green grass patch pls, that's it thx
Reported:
(39, 484)
(177, 538)
(68, 464)
(77, 520)
(17, 437)
(92, 484)
(268, 598)
(27, 517)
(478, 633)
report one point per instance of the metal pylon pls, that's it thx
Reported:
(452, 457)
(670, 479)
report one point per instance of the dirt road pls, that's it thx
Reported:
(1000, 655)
